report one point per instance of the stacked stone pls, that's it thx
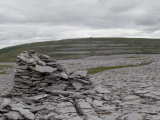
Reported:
(39, 74)
(44, 90)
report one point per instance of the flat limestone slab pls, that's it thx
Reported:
(102, 90)
(37, 97)
(55, 87)
(97, 103)
(62, 92)
(64, 75)
(76, 85)
(14, 116)
(84, 105)
(82, 73)
(66, 110)
(134, 116)
(25, 112)
(44, 69)
(4, 102)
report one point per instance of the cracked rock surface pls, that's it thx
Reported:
(130, 93)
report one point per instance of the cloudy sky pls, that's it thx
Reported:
(25, 21)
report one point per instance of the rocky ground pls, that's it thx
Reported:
(130, 93)
(6, 80)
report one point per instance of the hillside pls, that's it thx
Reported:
(83, 47)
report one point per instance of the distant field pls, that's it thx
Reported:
(79, 48)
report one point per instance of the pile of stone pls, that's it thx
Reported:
(44, 90)
(39, 74)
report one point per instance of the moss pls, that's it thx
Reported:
(131, 57)
(143, 102)
(6, 66)
(4, 72)
(3, 67)
(100, 69)
(74, 63)
(108, 112)
(115, 90)
(153, 78)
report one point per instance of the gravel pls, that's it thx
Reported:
(6, 80)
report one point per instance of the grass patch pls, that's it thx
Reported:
(115, 90)
(140, 59)
(100, 69)
(108, 112)
(6, 66)
(2, 67)
(68, 56)
(131, 57)
(143, 102)
(4, 72)
(74, 63)
(71, 64)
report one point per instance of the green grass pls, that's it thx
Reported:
(115, 90)
(131, 46)
(101, 69)
(3, 67)
(69, 56)
(131, 57)
(74, 63)
(4, 72)
(143, 102)
(143, 118)
(108, 112)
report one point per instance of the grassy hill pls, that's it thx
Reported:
(83, 47)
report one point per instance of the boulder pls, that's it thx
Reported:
(102, 90)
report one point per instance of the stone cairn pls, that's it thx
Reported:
(39, 74)
(44, 90)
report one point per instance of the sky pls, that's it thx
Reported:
(27, 21)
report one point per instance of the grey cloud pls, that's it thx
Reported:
(93, 13)
(37, 20)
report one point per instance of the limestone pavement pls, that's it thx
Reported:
(120, 94)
